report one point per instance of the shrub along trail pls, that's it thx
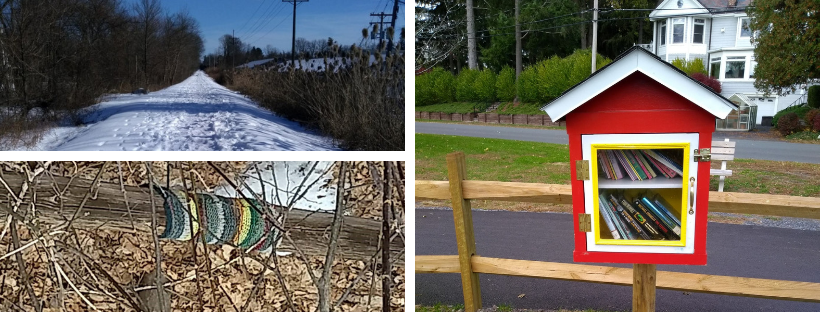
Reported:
(196, 114)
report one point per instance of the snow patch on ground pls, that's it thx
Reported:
(292, 180)
(194, 115)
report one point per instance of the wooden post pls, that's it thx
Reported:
(643, 287)
(463, 217)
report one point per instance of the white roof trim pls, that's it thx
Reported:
(639, 60)
(699, 8)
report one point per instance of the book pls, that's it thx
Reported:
(670, 223)
(662, 227)
(665, 161)
(619, 223)
(665, 207)
(614, 163)
(645, 163)
(627, 166)
(663, 169)
(633, 225)
(634, 164)
(608, 221)
(642, 220)
(603, 165)
(638, 163)
(629, 171)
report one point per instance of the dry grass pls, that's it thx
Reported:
(361, 106)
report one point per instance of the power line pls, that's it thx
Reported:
(269, 19)
(261, 3)
(261, 18)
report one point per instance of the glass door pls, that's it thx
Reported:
(641, 192)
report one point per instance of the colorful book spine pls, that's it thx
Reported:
(603, 165)
(642, 220)
(664, 207)
(634, 163)
(665, 161)
(663, 228)
(633, 225)
(608, 220)
(663, 169)
(619, 223)
(627, 167)
(639, 156)
(614, 163)
(665, 218)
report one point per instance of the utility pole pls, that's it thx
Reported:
(393, 26)
(518, 61)
(472, 63)
(233, 47)
(381, 17)
(293, 41)
(594, 34)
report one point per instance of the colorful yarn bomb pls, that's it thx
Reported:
(232, 221)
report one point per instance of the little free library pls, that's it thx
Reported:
(640, 133)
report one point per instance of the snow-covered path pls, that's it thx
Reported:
(196, 114)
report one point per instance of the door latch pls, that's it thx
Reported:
(703, 155)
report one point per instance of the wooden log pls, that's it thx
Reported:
(759, 204)
(703, 283)
(463, 217)
(358, 239)
(643, 287)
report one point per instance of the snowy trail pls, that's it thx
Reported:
(194, 115)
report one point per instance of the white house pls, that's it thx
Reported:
(715, 31)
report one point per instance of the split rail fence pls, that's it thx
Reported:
(643, 277)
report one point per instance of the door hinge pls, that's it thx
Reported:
(703, 155)
(582, 170)
(585, 222)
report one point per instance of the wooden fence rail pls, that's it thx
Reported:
(642, 277)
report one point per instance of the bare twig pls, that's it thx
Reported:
(324, 281)
(193, 241)
(125, 196)
(387, 206)
(21, 266)
(157, 250)
(203, 227)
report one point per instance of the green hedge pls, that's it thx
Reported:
(464, 85)
(690, 67)
(505, 85)
(548, 79)
(437, 86)
(484, 86)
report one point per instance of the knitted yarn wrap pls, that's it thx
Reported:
(231, 221)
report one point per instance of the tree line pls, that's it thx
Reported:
(548, 28)
(61, 55)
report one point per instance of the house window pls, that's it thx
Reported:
(662, 33)
(700, 24)
(735, 67)
(752, 65)
(677, 30)
(745, 31)
(714, 68)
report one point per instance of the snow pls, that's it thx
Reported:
(194, 115)
(317, 193)
(255, 63)
(314, 64)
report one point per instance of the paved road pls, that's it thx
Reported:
(734, 250)
(768, 150)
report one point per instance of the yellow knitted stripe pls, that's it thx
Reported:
(244, 224)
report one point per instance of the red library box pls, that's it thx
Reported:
(640, 133)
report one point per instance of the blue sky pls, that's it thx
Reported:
(263, 22)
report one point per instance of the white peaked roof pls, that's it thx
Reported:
(633, 60)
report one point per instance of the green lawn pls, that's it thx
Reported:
(519, 161)
(493, 159)
(454, 108)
